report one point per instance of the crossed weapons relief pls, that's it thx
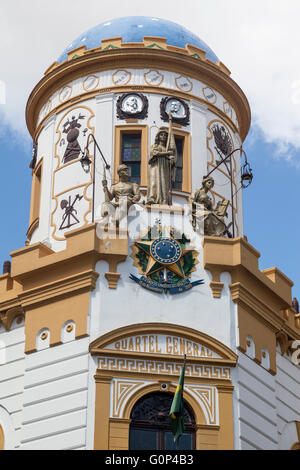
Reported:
(69, 217)
(72, 151)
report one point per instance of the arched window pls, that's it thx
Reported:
(150, 429)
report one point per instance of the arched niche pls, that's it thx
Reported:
(222, 353)
(150, 428)
(138, 359)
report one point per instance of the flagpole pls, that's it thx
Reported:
(176, 418)
(178, 439)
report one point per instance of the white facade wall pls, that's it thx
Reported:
(12, 371)
(132, 304)
(255, 396)
(266, 405)
(287, 383)
(45, 152)
(55, 397)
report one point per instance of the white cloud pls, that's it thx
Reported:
(258, 40)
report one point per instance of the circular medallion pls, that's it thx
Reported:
(132, 104)
(176, 107)
(165, 250)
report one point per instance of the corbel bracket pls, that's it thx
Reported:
(8, 317)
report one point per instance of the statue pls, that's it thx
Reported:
(162, 166)
(204, 213)
(73, 149)
(124, 193)
(295, 304)
(34, 157)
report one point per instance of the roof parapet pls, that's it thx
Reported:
(150, 42)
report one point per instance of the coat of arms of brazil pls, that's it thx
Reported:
(165, 260)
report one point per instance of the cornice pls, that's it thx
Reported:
(261, 310)
(80, 282)
(40, 276)
(137, 57)
(36, 263)
(163, 328)
(8, 317)
(12, 302)
(1, 438)
(34, 224)
(240, 258)
(265, 294)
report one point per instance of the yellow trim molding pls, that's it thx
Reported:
(32, 227)
(95, 61)
(131, 129)
(46, 286)
(228, 357)
(143, 130)
(95, 85)
(1, 438)
(9, 316)
(159, 75)
(296, 446)
(36, 190)
(186, 160)
(127, 75)
(216, 288)
(262, 297)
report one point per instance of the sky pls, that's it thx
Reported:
(258, 41)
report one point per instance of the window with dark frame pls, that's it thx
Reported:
(177, 184)
(131, 155)
(36, 192)
(150, 429)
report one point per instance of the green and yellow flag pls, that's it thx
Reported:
(176, 411)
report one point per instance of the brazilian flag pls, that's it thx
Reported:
(176, 411)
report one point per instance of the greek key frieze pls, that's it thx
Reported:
(163, 368)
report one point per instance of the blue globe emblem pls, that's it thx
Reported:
(165, 250)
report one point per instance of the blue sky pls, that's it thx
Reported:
(271, 220)
(260, 50)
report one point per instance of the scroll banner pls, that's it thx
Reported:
(160, 287)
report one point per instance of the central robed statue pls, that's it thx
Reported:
(162, 167)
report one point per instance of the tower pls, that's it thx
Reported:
(96, 314)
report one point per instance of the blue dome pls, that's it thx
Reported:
(133, 29)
